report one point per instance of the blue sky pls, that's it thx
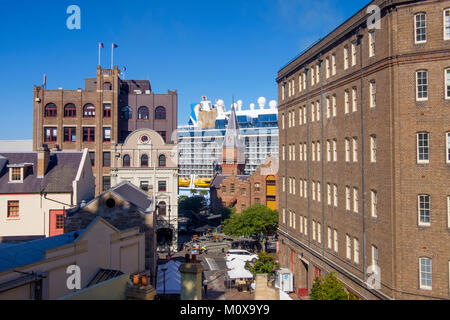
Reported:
(213, 48)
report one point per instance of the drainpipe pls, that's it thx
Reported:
(308, 146)
(322, 153)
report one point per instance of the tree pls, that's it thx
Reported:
(203, 193)
(330, 288)
(265, 264)
(195, 203)
(253, 221)
(193, 191)
(182, 198)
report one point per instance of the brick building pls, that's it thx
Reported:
(232, 188)
(101, 115)
(364, 121)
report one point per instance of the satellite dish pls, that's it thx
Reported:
(262, 102)
(273, 104)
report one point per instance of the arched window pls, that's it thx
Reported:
(50, 110)
(107, 86)
(160, 113)
(162, 161)
(143, 113)
(70, 111)
(144, 161)
(162, 209)
(127, 113)
(89, 111)
(126, 161)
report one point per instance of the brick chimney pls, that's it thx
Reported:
(43, 160)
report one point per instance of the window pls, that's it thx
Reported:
(348, 242)
(163, 135)
(317, 73)
(330, 238)
(70, 134)
(424, 210)
(447, 24)
(328, 151)
(92, 158)
(314, 230)
(257, 200)
(304, 81)
(356, 251)
(336, 241)
(304, 115)
(232, 188)
(355, 200)
(371, 43)
(305, 185)
(89, 111)
(347, 150)
(373, 94)
(314, 191)
(318, 111)
(319, 197)
(333, 64)
(301, 152)
(319, 156)
(448, 212)
(373, 148)
(313, 112)
(50, 110)
(335, 192)
(300, 87)
(312, 76)
(335, 150)
(283, 90)
(346, 57)
(106, 134)
(144, 161)
(284, 184)
(257, 187)
(329, 194)
(447, 84)
(327, 67)
(16, 174)
(126, 161)
(347, 101)
(448, 147)
(425, 273)
(106, 159)
(160, 113)
(355, 150)
(374, 203)
(144, 186)
(13, 209)
(300, 116)
(305, 152)
(50, 134)
(347, 198)
(305, 220)
(224, 189)
(106, 110)
(301, 188)
(374, 256)
(423, 147)
(313, 151)
(328, 108)
(334, 106)
(355, 100)
(162, 209)
(162, 186)
(301, 224)
(422, 85)
(243, 191)
(126, 113)
(353, 53)
(70, 111)
(319, 232)
(88, 134)
(421, 27)
(162, 161)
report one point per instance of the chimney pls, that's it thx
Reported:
(43, 160)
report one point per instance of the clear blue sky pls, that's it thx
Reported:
(199, 47)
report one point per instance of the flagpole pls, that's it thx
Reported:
(99, 62)
(112, 55)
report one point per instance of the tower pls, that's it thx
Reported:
(233, 157)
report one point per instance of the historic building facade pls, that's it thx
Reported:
(102, 114)
(364, 122)
(147, 162)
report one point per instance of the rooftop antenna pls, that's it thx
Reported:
(45, 82)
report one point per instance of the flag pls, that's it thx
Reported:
(100, 45)
(114, 45)
(124, 69)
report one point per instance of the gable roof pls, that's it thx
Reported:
(133, 195)
(60, 174)
(218, 179)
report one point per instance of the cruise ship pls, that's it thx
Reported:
(200, 142)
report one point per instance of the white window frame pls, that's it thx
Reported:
(424, 87)
(447, 83)
(355, 250)
(446, 13)
(347, 150)
(335, 195)
(354, 99)
(346, 57)
(305, 115)
(329, 194)
(333, 64)
(301, 188)
(283, 149)
(317, 74)
(319, 232)
(305, 152)
(284, 184)
(327, 66)
(330, 238)
(373, 148)
(372, 48)
(423, 148)
(334, 106)
(305, 189)
(300, 87)
(422, 211)
(301, 224)
(416, 16)
(318, 107)
(319, 190)
(300, 151)
(335, 150)
(347, 198)
(313, 112)
(319, 151)
(374, 203)
(314, 191)
(347, 101)
(312, 76)
(353, 53)
(448, 212)
(314, 230)
(283, 91)
(306, 226)
(373, 94)
(355, 200)
(447, 147)
(328, 108)
(328, 151)
(304, 81)
(374, 256)
(284, 216)
(355, 149)
(336, 241)
(423, 270)
(313, 151)
(348, 245)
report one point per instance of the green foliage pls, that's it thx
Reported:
(264, 265)
(330, 288)
(182, 198)
(203, 193)
(195, 203)
(193, 191)
(253, 221)
(226, 213)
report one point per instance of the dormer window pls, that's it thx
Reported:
(16, 174)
